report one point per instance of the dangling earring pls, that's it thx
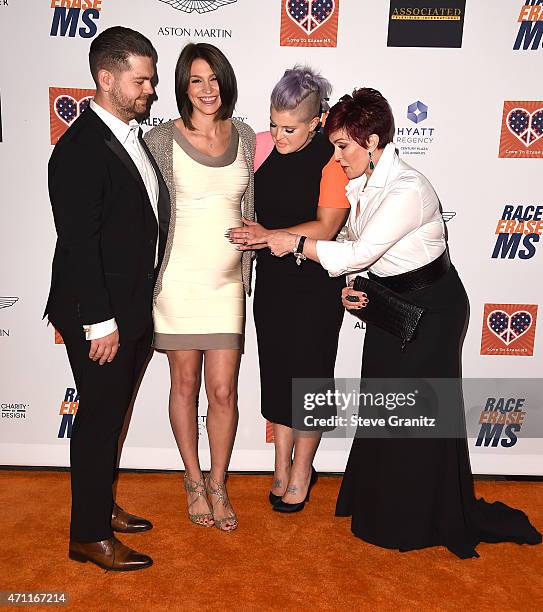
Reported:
(372, 165)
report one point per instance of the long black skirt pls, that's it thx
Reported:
(408, 494)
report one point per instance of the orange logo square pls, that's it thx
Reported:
(309, 23)
(509, 329)
(522, 129)
(65, 106)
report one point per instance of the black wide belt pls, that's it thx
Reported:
(416, 279)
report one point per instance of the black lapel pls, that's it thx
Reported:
(113, 143)
(164, 206)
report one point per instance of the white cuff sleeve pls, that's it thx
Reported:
(334, 255)
(99, 330)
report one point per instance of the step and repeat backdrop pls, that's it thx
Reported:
(462, 77)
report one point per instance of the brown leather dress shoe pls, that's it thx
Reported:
(109, 555)
(123, 522)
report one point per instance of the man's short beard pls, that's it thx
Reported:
(124, 107)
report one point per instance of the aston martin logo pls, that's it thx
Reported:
(200, 6)
(6, 302)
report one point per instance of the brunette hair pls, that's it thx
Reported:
(223, 71)
(111, 49)
(364, 113)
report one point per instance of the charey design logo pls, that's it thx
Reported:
(522, 129)
(200, 6)
(67, 14)
(501, 420)
(417, 112)
(518, 225)
(530, 31)
(14, 411)
(65, 106)
(6, 302)
(420, 23)
(509, 329)
(68, 410)
(309, 23)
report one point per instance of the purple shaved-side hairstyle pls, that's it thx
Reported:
(304, 90)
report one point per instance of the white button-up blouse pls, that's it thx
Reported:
(398, 228)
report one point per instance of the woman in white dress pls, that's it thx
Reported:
(206, 158)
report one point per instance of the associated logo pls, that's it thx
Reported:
(522, 130)
(68, 410)
(415, 140)
(518, 226)
(69, 14)
(309, 23)
(420, 23)
(509, 329)
(501, 420)
(417, 112)
(448, 215)
(14, 411)
(58, 337)
(65, 106)
(200, 6)
(530, 32)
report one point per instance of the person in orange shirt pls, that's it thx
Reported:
(297, 186)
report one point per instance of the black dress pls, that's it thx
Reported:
(297, 309)
(408, 494)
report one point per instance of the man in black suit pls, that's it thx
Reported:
(110, 205)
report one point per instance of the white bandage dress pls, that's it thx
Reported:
(201, 304)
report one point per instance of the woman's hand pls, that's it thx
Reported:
(281, 243)
(357, 300)
(251, 236)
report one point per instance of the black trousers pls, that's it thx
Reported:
(105, 393)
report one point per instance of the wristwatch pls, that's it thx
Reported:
(299, 251)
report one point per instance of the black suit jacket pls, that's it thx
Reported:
(104, 263)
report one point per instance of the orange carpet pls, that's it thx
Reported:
(272, 562)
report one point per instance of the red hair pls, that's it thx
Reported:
(364, 113)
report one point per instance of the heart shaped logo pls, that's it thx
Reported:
(526, 126)
(310, 14)
(509, 328)
(68, 109)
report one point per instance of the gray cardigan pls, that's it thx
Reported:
(160, 142)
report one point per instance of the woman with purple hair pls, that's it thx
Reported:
(297, 187)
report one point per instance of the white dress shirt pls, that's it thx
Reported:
(398, 228)
(128, 135)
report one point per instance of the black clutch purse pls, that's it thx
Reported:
(388, 310)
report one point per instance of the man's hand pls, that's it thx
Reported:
(104, 349)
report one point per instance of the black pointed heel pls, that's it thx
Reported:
(282, 506)
(273, 498)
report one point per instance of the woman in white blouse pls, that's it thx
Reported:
(403, 492)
